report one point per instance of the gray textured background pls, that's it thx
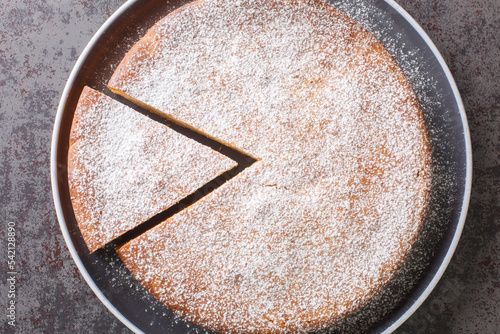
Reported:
(39, 44)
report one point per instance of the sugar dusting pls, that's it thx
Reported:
(318, 227)
(124, 167)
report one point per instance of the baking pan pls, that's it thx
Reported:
(451, 156)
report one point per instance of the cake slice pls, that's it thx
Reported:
(124, 168)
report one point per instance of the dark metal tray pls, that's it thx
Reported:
(451, 151)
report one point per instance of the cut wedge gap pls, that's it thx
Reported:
(217, 144)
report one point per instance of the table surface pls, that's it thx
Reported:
(40, 42)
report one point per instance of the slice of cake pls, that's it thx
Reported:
(124, 168)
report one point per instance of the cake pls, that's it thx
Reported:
(124, 168)
(321, 223)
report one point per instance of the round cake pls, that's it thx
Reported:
(323, 220)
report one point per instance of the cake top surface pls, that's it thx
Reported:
(323, 221)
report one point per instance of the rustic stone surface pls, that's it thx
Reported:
(39, 44)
